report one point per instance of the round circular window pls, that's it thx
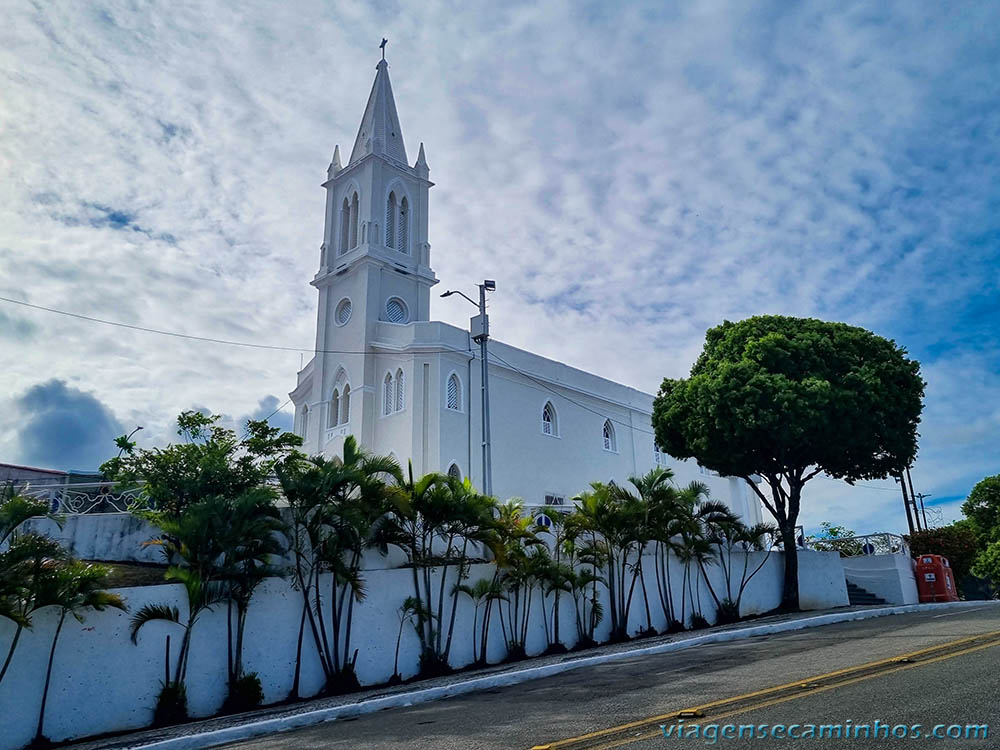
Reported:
(395, 311)
(343, 313)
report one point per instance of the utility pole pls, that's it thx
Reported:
(906, 502)
(479, 328)
(914, 496)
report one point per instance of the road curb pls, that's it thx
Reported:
(332, 713)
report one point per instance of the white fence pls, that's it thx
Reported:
(103, 683)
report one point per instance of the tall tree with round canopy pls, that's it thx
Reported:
(786, 399)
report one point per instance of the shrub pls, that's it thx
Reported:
(171, 705)
(958, 542)
(244, 695)
(729, 612)
(698, 622)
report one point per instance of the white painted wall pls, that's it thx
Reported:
(103, 536)
(889, 577)
(95, 660)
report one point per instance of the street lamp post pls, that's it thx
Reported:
(479, 327)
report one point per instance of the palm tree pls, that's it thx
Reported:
(619, 518)
(653, 492)
(358, 507)
(252, 541)
(336, 506)
(306, 483)
(735, 536)
(75, 586)
(414, 524)
(483, 590)
(409, 610)
(23, 549)
(473, 524)
(592, 552)
(201, 594)
(193, 542)
(25, 567)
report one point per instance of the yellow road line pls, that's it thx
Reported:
(702, 708)
(804, 694)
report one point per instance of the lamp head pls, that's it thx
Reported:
(490, 285)
(447, 294)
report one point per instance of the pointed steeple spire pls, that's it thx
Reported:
(335, 165)
(421, 166)
(380, 132)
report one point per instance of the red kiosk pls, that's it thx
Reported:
(935, 581)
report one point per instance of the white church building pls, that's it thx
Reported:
(409, 386)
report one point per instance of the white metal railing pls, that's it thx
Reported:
(866, 545)
(87, 497)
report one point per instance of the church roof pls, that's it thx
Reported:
(380, 132)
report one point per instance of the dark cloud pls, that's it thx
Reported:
(267, 409)
(61, 427)
(17, 329)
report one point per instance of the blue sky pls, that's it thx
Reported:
(649, 168)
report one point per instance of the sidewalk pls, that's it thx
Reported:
(215, 731)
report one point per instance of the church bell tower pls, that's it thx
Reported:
(374, 270)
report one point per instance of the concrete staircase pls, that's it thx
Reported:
(860, 597)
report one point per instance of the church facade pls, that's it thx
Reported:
(409, 386)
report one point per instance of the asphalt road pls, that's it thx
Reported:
(960, 686)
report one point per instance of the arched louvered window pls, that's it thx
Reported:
(345, 405)
(354, 220)
(390, 221)
(454, 472)
(345, 227)
(400, 386)
(402, 236)
(609, 437)
(305, 421)
(334, 417)
(454, 393)
(549, 424)
(388, 394)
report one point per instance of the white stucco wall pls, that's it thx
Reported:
(103, 536)
(96, 661)
(889, 577)
(821, 579)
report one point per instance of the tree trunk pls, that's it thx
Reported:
(10, 651)
(454, 601)
(298, 655)
(48, 677)
(229, 643)
(790, 587)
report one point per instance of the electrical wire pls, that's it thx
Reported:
(207, 339)
(276, 347)
(562, 395)
(639, 429)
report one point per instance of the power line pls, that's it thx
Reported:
(647, 432)
(572, 401)
(207, 339)
(277, 347)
